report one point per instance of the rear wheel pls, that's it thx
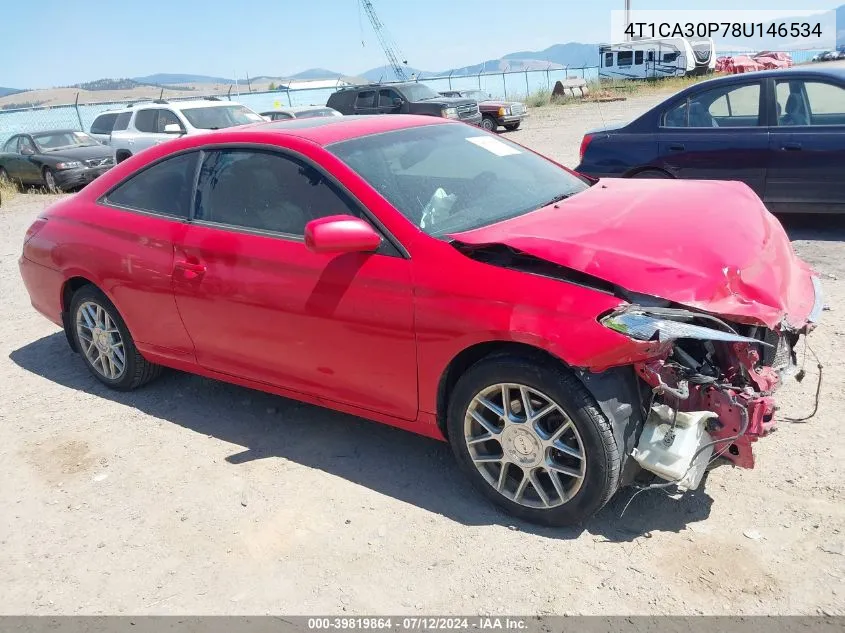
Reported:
(532, 439)
(49, 180)
(510, 127)
(105, 343)
(122, 156)
(489, 124)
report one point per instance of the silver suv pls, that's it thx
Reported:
(146, 124)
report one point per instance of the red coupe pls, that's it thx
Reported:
(567, 337)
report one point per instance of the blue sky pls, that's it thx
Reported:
(54, 42)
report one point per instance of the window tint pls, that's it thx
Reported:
(103, 124)
(145, 120)
(122, 121)
(265, 191)
(625, 58)
(163, 188)
(608, 59)
(810, 103)
(366, 99)
(25, 142)
(166, 117)
(638, 58)
(735, 106)
(386, 97)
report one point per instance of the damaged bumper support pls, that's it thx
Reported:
(712, 391)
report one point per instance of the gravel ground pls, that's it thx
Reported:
(194, 496)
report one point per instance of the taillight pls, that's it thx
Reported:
(585, 142)
(34, 228)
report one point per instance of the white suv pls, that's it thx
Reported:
(146, 124)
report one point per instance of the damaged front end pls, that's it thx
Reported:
(712, 392)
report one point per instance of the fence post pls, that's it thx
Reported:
(527, 91)
(229, 94)
(548, 77)
(479, 78)
(450, 78)
(288, 91)
(78, 115)
(504, 85)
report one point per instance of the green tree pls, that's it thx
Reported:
(272, 85)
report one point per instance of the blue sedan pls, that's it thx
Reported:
(782, 132)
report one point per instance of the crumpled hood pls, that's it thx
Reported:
(708, 245)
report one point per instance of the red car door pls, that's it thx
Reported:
(258, 304)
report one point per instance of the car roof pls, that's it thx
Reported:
(835, 73)
(322, 130)
(58, 131)
(181, 105)
(295, 109)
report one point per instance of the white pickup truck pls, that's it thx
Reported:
(143, 125)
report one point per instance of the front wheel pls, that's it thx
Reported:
(510, 127)
(532, 439)
(50, 180)
(106, 345)
(489, 123)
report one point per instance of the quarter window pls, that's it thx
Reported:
(264, 191)
(164, 188)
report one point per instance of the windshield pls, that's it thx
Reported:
(478, 95)
(216, 117)
(452, 178)
(48, 141)
(419, 92)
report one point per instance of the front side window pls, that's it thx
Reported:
(386, 98)
(219, 117)
(451, 178)
(164, 188)
(25, 144)
(264, 191)
(419, 92)
(166, 117)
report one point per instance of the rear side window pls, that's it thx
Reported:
(164, 188)
(103, 124)
(145, 120)
(265, 191)
(122, 121)
(366, 99)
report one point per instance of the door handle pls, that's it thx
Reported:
(677, 147)
(190, 270)
(791, 147)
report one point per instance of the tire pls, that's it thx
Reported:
(512, 126)
(84, 310)
(651, 173)
(591, 450)
(49, 180)
(122, 156)
(489, 123)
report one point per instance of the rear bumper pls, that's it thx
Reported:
(44, 286)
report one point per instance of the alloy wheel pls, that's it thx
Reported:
(524, 445)
(100, 340)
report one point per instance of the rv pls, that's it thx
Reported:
(653, 58)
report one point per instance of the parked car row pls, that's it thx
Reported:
(830, 56)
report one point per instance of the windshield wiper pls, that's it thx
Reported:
(557, 198)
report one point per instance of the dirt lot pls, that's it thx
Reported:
(193, 496)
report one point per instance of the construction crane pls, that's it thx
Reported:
(391, 51)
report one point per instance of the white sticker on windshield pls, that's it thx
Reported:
(493, 145)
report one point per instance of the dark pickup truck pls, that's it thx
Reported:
(403, 98)
(495, 112)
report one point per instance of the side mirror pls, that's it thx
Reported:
(397, 102)
(173, 128)
(341, 234)
(27, 151)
